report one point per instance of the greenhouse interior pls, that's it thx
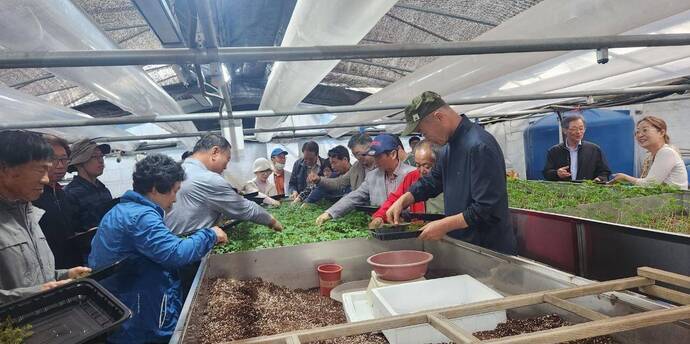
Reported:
(344, 171)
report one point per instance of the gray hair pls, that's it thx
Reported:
(359, 139)
(565, 122)
(209, 141)
(432, 147)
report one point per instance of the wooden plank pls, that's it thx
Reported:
(665, 276)
(538, 297)
(667, 294)
(574, 308)
(454, 333)
(598, 327)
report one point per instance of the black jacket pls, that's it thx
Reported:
(59, 223)
(298, 179)
(591, 162)
(90, 201)
(470, 171)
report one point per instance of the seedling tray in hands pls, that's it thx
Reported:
(78, 312)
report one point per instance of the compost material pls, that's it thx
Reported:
(245, 309)
(514, 327)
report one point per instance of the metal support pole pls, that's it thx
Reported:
(124, 57)
(247, 131)
(334, 109)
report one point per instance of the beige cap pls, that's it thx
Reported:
(262, 164)
(82, 151)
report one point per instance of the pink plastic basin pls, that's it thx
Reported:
(402, 265)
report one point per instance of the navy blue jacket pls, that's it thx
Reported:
(148, 284)
(471, 172)
(298, 179)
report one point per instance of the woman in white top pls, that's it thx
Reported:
(262, 170)
(663, 163)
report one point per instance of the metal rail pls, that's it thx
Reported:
(246, 131)
(123, 57)
(332, 109)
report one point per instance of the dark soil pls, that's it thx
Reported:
(245, 309)
(518, 326)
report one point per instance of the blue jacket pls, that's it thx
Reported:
(471, 173)
(148, 284)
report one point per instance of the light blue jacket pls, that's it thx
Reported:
(148, 284)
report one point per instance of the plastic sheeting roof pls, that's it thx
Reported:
(525, 73)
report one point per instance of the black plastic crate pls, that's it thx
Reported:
(367, 208)
(78, 312)
(395, 232)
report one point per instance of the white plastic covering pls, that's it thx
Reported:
(525, 73)
(39, 25)
(17, 106)
(315, 22)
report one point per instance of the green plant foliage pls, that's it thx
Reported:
(540, 195)
(300, 228)
(11, 334)
(563, 198)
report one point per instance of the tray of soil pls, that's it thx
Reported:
(237, 310)
(399, 231)
(78, 312)
(367, 209)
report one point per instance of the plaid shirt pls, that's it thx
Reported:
(91, 201)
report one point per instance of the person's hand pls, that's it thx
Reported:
(323, 218)
(393, 213)
(376, 222)
(435, 230)
(54, 284)
(221, 236)
(294, 195)
(313, 178)
(297, 200)
(276, 225)
(563, 172)
(77, 272)
(272, 202)
(306, 205)
(620, 177)
(598, 180)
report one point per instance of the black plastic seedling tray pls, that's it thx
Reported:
(395, 232)
(78, 312)
(367, 209)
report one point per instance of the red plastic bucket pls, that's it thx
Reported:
(329, 277)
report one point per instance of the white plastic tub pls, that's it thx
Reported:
(430, 294)
(357, 306)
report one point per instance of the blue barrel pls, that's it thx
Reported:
(612, 130)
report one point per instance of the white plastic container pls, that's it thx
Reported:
(357, 306)
(430, 294)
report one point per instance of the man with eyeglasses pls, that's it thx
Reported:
(86, 193)
(60, 220)
(575, 159)
(359, 145)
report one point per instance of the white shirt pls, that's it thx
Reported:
(667, 168)
(573, 159)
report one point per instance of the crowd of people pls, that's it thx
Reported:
(168, 221)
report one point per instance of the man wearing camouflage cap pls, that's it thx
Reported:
(470, 169)
(85, 192)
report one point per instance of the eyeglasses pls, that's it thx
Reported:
(97, 157)
(61, 161)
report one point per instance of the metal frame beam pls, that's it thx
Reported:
(333, 109)
(86, 58)
(247, 131)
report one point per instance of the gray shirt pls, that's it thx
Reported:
(204, 196)
(26, 261)
(354, 177)
(373, 191)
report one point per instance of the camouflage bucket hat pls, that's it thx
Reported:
(420, 107)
